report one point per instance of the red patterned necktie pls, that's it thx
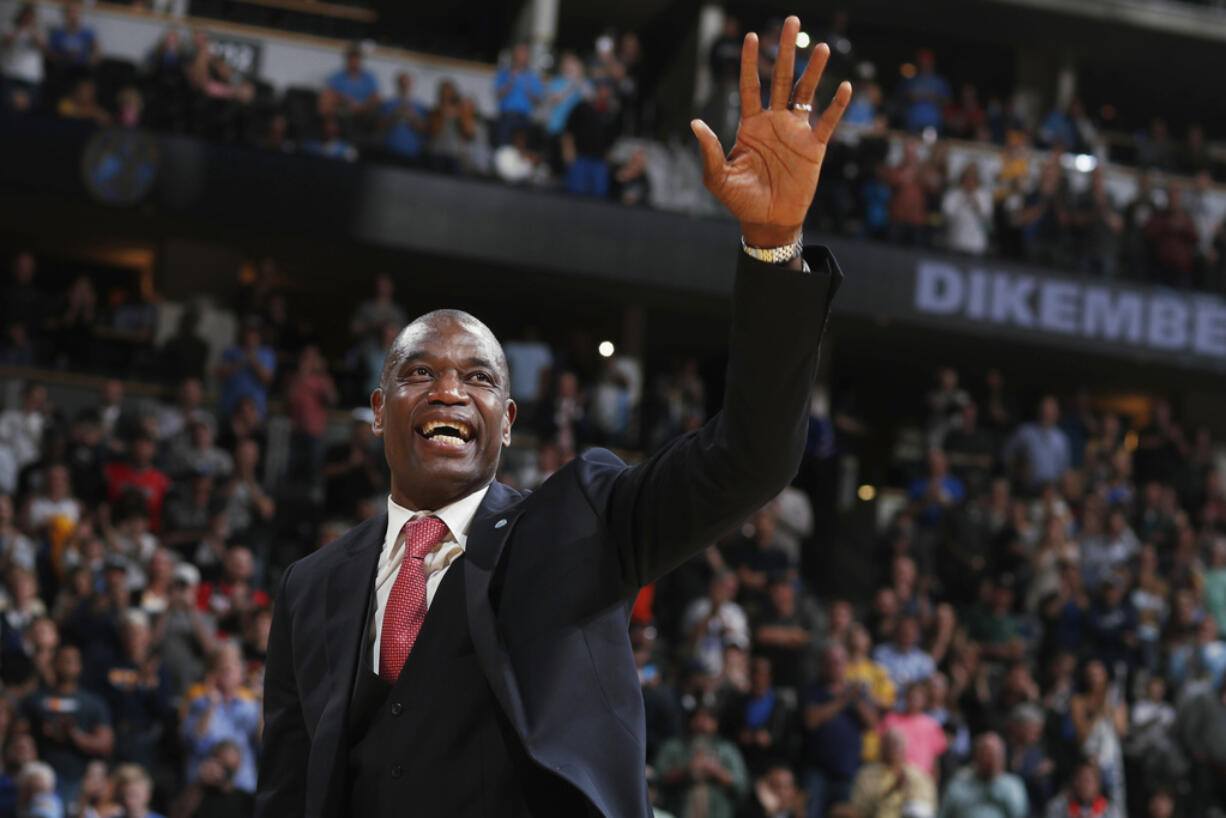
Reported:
(406, 605)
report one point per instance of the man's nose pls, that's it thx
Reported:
(449, 389)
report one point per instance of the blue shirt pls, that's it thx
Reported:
(525, 91)
(402, 138)
(925, 94)
(73, 47)
(904, 667)
(237, 720)
(359, 88)
(834, 747)
(561, 109)
(932, 513)
(1046, 449)
(245, 383)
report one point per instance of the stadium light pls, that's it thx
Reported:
(1085, 162)
(802, 39)
(867, 493)
(606, 349)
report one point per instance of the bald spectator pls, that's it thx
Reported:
(984, 789)
(223, 710)
(884, 788)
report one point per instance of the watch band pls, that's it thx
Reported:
(775, 255)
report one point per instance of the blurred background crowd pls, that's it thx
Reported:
(996, 589)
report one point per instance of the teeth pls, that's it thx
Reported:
(448, 440)
(454, 424)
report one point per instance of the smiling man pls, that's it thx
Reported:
(466, 653)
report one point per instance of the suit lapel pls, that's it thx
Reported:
(348, 605)
(488, 535)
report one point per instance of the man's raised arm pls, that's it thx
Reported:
(705, 483)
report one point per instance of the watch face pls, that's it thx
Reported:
(119, 165)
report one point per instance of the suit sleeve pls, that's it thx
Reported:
(702, 485)
(283, 759)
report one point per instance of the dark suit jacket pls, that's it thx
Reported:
(551, 576)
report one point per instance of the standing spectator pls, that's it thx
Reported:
(234, 597)
(966, 118)
(775, 795)
(703, 769)
(21, 429)
(215, 792)
(714, 622)
(15, 547)
(924, 95)
(872, 677)
(184, 633)
(934, 494)
(905, 660)
(887, 788)
(71, 725)
(1042, 445)
(311, 393)
(787, 632)
(1100, 720)
(910, 183)
(373, 314)
(246, 370)
(185, 354)
(968, 213)
(529, 359)
(591, 129)
(1026, 756)
(174, 421)
(21, 61)
(72, 46)
(453, 130)
(985, 790)
(200, 455)
(923, 737)
(1174, 238)
(761, 720)
(249, 508)
(404, 123)
(1137, 214)
(223, 711)
(353, 471)
(331, 144)
(1084, 797)
(1200, 725)
(352, 91)
(139, 473)
(835, 713)
(137, 690)
(1043, 216)
(562, 94)
(518, 89)
(1095, 227)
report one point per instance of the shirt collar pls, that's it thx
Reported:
(457, 516)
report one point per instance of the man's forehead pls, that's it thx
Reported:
(445, 335)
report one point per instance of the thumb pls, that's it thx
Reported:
(712, 152)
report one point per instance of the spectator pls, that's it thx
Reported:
(184, 354)
(835, 713)
(1100, 720)
(184, 633)
(72, 46)
(1154, 148)
(923, 738)
(893, 785)
(1201, 730)
(968, 213)
(924, 95)
(703, 769)
(149, 483)
(1137, 214)
(1026, 757)
(200, 455)
(1174, 238)
(215, 792)
(1042, 217)
(174, 421)
(134, 791)
(15, 547)
(872, 678)
(591, 129)
(931, 496)
(21, 429)
(37, 792)
(518, 89)
(352, 91)
(1095, 226)
(911, 183)
(530, 360)
(762, 719)
(714, 622)
(775, 795)
(966, 118)
(374, 314)
(985, 790)
(249, 508)
(22, 67)
(404, 123)
(905, 660)
(71, 725)
(83, 103)
(246, 370)
(331, 144)
(562, 94)
(787, 631)
(310, 394)
(453, 130)
(1042, 445)
(1084, 797)
(353, 471)
(222, 710)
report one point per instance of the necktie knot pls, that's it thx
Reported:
(421, 536)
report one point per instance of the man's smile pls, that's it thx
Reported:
(446, 433)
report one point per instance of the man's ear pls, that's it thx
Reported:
(376, 404)
(508, 419)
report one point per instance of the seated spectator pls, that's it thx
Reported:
(134, 791)
(246, 423)
(352, 91)
(775, 795)
(83, 103)
(787, 632)
(71, 725)
(21, 428)
(210, 75)
(56, 503)
(924, 739)
(174, 421)
(373, 314)
(222, 710)
(905, 660)
(761, 720)
(140, 475)
(715, 621)
(518, 89)
(21, 71)
(886, 788)
(246, 370)
(185, 634)
(331, 144)
(984, 789)
(403, 122)
(1084, 797)
(215, 791)
(924, 95)
(453, 130)
(968, 213)
(234, 596)
(834, 716)
(1026, 756)
(72, 46)
(591, 130)
(37, 790)
(276, 136)
(702, 768)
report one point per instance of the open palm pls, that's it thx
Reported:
(768, 179)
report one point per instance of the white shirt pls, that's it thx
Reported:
(457, 517)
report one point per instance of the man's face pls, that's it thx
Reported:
(68, 665)
(1085, 784)
(444, 412)
(353, 62)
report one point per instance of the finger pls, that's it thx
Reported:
(712, 152)
(781, 84)
(833, 113)
(812, 76)
(751, 88)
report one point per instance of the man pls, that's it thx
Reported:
(905, 660)
(886, 788)
(985, 790)
(222, 711)
(352, 91)
(72, 46)
(140, 477)
(591, 130)
(518, 89)
(246, 369)
(21, 429)
(836, 713)
(1084, 797)
(702, 769)
(524, 664)
(1042, 445)
(404, 122)
(137, 690)
(714, 622)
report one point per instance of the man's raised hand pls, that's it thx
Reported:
(768, 180)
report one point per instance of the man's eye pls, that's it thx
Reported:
(483, 376)
(418, 371)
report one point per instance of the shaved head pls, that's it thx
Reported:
(407, 342)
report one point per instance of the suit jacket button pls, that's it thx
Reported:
(397, 771)
(397, 708)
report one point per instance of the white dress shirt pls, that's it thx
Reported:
(457, 517)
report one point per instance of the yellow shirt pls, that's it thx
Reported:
(880, 689)
(877, 793)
